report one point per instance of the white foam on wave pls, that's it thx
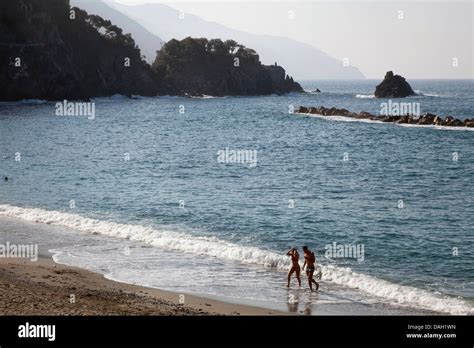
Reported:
(402, 295)
(365, 96)
(363, 120)
(338, 118)
(213, 247)
(166, 239)
(33, 101)
(141, 97)
(309, 91)
(25, 102)
(461, 129)
(205, 96)
(419, 93)
(112, 98)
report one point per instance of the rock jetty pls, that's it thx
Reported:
(423, 120)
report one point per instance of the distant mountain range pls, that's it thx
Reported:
(300, 60)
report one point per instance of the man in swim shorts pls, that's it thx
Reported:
(309, 260)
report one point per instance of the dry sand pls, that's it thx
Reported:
(45, 288)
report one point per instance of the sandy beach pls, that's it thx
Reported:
(46, 288)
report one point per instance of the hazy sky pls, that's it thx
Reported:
(417, 39)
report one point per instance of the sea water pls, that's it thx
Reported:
(141, 194)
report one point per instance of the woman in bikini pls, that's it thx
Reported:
(295, 266)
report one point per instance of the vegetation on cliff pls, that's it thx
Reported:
(50, 51)
(216, 67)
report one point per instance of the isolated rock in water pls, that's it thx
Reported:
(393, 86)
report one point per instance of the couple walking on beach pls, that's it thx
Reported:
(309, 261)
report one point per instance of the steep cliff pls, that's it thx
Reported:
(50, 51)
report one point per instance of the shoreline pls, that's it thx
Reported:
(44, 287)
(47, 236)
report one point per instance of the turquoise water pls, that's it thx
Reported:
(141, 162)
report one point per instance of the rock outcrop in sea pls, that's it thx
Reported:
(424, 120)
(393, 86)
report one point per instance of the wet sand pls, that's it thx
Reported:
(46, 288)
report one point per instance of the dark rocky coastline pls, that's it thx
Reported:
(51, 51)
(424, 120)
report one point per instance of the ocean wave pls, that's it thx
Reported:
(309, 91)
(205, 96)
(339, 118)
(363, 120)
(395, 294)
(420, 93)
(402, 295)
(112, 98)
(33, 101)
(141, 97)
(166, 239)
(25, 102)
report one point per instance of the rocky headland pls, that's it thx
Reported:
(51, 51)
(214, 67)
